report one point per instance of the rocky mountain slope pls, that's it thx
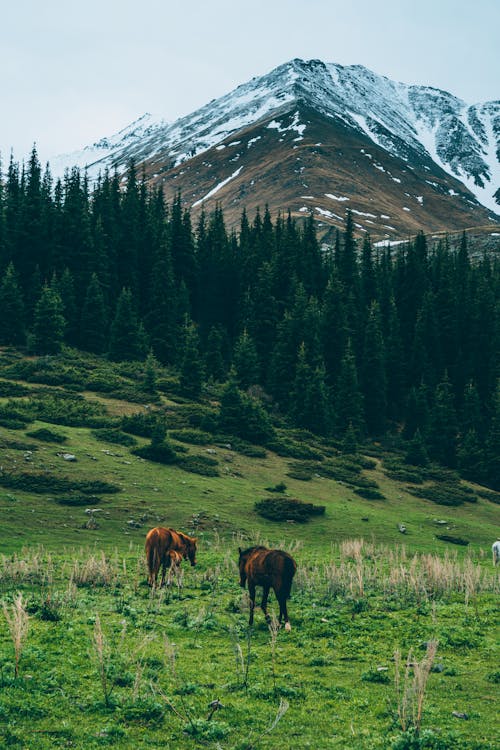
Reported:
(319, 137)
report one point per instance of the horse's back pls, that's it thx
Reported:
(272, 566)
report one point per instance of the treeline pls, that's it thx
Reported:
(346, 341)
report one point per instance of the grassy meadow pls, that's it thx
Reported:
(394, 640)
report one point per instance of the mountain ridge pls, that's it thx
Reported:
(390, 123)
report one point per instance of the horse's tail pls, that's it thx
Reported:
(289, 568)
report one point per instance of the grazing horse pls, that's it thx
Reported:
(165, 547)
(496, 551)
(267, 568)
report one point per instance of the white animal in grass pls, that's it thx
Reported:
(496, 551)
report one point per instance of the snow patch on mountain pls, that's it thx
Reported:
(217, 188)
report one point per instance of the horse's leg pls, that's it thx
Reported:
(284, 612)
(251, 593)
(265, 596)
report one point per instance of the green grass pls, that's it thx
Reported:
(168, 655)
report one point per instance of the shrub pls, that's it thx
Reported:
(368, 493)
(161, 453)
(287, 509)
(193, 437)
(240, 446)
(291, 449)
(280, 487)
(78, 500)
(493, 497)
(445, 494)
(114, 436)
(47, 436)
(203, 465)
(141, 424)
(8, 389)
(452, 539)
(50, 483)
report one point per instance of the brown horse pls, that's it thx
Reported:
(164, 547)
(267, 568)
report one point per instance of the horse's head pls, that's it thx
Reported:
(242, 565)
(190, 549)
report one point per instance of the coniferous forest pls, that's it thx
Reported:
(352, 341)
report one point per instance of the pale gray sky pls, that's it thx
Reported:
(72, 72)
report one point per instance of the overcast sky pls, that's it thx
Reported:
(73, 71)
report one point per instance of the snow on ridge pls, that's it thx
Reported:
(217, 188)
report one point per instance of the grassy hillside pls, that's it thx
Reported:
(105, 661)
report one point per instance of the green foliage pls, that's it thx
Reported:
(194, 437)
(162, 453)
(47, 436)
(114, 436)
(287, 509)
(204, 465)
(46, 483)
(445, 494)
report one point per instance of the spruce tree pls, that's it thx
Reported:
(443, 425)
(126, 340)
(246, 362)
(348, 397)
(12, 331)
(191, 375)
(373, 375)
(94, 320)
(48, 323)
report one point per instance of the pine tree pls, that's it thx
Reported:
(348, 397)
(246, 362)
(126, 336)
(443, 427)
(94, 320)
(373, 375)
(191, 376)
(49, 323)
(12, 331)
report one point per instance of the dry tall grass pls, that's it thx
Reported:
(18, 623)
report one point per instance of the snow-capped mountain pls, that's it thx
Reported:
(322, 137)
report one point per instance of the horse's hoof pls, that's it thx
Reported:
(288, 627)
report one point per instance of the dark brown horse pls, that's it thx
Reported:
(164, 547)
(267, 568)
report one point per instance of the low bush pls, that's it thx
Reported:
(368, 493)
(240, 446)
(287, 509)
(9, 389)
(445, 494)
(46, 483)
(77, 500)
(204, 465)
(193, 437)
(141, 423)
(452, 539)
(161, 453)
(493, 497)
(114, 436)
(291, 449)
(47, 436)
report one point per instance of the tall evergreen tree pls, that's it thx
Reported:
(12, 321)
(49, 323)
(94, 321)
(348, 397)
(373, 374)
(126, 339)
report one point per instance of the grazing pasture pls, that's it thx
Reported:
(395, 636)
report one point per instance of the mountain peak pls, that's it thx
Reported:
(342, 117)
